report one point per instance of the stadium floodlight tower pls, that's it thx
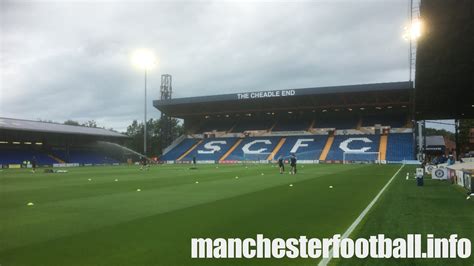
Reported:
(166, 91)
(412, 33)
(144, 59)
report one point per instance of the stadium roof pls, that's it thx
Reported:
(435, 143)
(48, 127)
(444, 61)
(361, 95)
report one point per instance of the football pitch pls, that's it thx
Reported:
(123, 216)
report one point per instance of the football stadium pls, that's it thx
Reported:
(358, 123)
(279, 169)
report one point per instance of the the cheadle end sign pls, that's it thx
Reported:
(265, 94)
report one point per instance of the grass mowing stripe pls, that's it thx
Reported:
(351, 228)
(103, 184)
(120, 202)
(307, 208)
(438, 207)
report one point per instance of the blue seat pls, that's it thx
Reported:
(400, 146)
(264, 145)
(355, 142)
(211, 149)
(89, 157)
(310, 152)
(18, 156)
(179, 150)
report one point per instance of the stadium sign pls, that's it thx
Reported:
(265, 94)
(429, 168)
(439, 173)
(246, 147)
(66, 165)
(300, 144)
(261, 146)
(345, 145)
(212, 147)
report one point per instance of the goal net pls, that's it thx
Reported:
(361, 157)
(253, 158)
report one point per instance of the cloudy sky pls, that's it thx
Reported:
(71, 60)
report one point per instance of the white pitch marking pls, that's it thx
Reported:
(353, 226)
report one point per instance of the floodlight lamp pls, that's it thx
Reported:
(144, 59)
(414, 30)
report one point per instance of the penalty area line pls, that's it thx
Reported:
(353, 226)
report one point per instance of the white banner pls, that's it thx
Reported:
(65, 165)
(206, 162)
(308, 161)
(430, 168)
(439, 173)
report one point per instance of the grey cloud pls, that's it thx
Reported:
(64, 61)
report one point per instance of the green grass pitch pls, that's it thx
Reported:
(106, 221)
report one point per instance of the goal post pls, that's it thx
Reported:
(361, 157)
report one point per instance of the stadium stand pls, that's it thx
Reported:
(288, 124)
(179, 150)
(308, 148)
(348, 121)
(217, 125)
(53, 143)
(18, 156)
(254, 149)
(315, 123)
(248, 123)
(83, 157)
(400, 146)
(211, 149)
(89, 157)
(365, 143)
(318, 124)
(384, 119)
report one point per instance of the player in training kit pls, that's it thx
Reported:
(281, 164)
(34, 162)
(293, 164)
(144, 164)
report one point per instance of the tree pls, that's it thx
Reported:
(135, 132)
(465, 138)
(154, 144)
(90, 123)
(71, 123)
(45, 120)
(437, 132)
